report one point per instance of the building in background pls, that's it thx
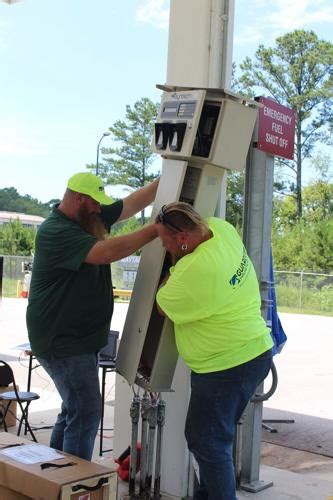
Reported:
(25, 219)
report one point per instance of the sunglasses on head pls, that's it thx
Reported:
(162, 218)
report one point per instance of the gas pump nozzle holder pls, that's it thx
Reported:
(204, 125)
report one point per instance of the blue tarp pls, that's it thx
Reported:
(273, 320)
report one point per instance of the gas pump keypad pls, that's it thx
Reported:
(172, 109)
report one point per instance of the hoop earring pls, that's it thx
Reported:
(184, 247)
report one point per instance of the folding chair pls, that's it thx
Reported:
(7, 378)
(107, 362)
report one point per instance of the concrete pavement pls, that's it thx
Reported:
(298, 458)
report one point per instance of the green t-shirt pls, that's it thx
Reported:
(70, 302)
(212, 297)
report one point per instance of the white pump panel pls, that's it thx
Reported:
(207, 131)
(205, 125)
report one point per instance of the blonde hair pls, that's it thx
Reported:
(182, 217)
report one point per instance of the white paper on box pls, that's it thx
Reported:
(31, 453)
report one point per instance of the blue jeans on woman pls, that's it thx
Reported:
(76, 379)
(217, 402)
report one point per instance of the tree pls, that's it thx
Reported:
(297, 72)
(306, 243)
(16, 240)
(317, 199)
(129, 163)
(12, 201)
(317, 251)
(304, 247)
(235, 198)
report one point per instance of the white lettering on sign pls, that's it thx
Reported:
(277, 115)
(273, 139)
(276, 140)
(277, 127)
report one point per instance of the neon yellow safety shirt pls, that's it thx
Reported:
(212, 296)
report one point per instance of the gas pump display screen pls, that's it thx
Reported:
(170, 110)
(174, 109)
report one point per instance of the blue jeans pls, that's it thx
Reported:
(76, 379)
(217, 402)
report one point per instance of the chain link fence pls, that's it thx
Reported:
(16, 274)
(304, 292)
(14, 270)
(296, 291)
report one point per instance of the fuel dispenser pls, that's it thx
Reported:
(201, 133)
(204, 126)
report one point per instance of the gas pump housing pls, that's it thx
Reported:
(205, 126)
(201, 133)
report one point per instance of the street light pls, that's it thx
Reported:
(104, 135)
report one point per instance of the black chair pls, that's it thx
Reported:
(20, 397)
(107, 362)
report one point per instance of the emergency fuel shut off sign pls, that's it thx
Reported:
(276, 130)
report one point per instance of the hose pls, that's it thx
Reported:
(258, 398)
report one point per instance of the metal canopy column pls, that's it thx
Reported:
(257, 239)
(199, 55)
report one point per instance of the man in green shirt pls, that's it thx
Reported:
(71, 301)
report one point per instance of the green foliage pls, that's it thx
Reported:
(125, 227)
(295, 294)
(318, 201)
(284, 213)
(129, 162)
(287, 247)
(12, 201)
(317, 250)
(15, 239)
(296, 72)
(305, 243)
(235, 198)
(318, 195)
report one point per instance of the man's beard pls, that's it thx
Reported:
(91, 223)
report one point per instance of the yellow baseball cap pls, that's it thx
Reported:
(91, 185)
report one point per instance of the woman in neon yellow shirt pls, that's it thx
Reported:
(212, 296)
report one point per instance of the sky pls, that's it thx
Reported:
(69, 68)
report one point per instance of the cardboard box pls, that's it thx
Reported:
(7, 494)
(11, 415)
(81, 481)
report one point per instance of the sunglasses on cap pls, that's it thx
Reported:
(162, 218)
